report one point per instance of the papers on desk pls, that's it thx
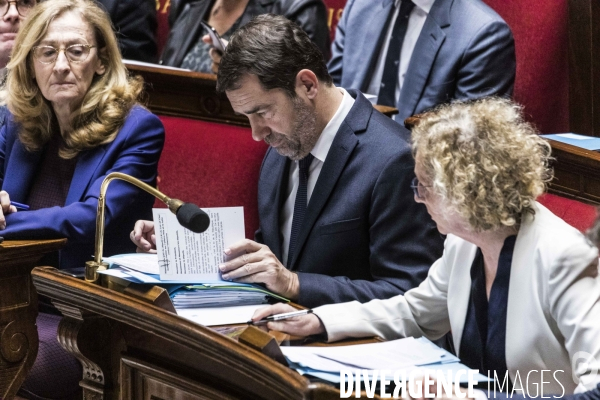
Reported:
(187, 262)
(585, 142)
(185, 295)
(212, 316)
(402, 354)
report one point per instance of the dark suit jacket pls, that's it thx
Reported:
(464, 51)
(364, 236)
(186, 30)
(135, 151)
(135, 25)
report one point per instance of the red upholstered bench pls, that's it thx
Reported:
(575, 213)
(212, 165)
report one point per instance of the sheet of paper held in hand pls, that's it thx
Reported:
(195, 257)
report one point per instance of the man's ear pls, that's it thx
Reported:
(307, 83)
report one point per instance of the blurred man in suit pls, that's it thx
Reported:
(12, 14)
(337, 217)
(417, 54)
(135, 24)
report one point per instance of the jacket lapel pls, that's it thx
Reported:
(84, 173)
(341, 149)
(20, 172)
(277, 177)
(430, 40)
(375, 26)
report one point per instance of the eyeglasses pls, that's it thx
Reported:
(23, 6)
(416, 187)
(76, 53)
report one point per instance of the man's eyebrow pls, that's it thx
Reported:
(256, 109)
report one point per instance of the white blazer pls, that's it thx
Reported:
(553, 310)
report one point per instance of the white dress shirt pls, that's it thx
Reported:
(320, 153)
(417, 18)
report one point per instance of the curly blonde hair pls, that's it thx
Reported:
(105, 105)
(484, 160)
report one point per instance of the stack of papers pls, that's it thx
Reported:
(186, 264)
(403, 354)
(222, 295)
(143, 268)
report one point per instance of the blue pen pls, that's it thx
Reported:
(20, 206)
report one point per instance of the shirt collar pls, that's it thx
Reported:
(424, 5)
(326, 139)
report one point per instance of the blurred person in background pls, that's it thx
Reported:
(188, 46)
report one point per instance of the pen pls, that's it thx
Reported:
(19, 206)
(278, 317)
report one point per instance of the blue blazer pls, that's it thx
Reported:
(135, 151)
(464, 51)
(364, 236)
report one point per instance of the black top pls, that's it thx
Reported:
(483, 342)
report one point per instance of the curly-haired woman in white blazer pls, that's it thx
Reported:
(516, 285)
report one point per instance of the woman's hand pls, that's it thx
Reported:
(143, 236)
(214, 53)
(304, 325)
(5, 208)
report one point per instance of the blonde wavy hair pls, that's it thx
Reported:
(484, 160)
(105, 105)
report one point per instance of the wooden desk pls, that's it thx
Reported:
(576, 173)
(19, 309)
(190, 94)
(133, 350)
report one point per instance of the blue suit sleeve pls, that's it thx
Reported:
(488, 65)
(403, 244)
(135, 152)
(337, 48)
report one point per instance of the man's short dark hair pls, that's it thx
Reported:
(274, 49)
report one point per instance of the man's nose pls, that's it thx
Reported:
(259, 130)
(12, 13)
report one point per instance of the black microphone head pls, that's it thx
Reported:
(192, 217)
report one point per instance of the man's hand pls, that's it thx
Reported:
(258, 264)
(304, 325)
(5, 208)
(214, 53)
(143, 236)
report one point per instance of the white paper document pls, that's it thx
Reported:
(212, 316)
(395, 354)
(195, 257)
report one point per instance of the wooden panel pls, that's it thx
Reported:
(193, 95)
(18, 310)
(576, 173)
(186, 94)
(584, 66)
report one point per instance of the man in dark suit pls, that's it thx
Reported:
(361, 235)
(338, 221)
(135, 25)
(439, 50)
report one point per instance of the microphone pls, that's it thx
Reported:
(188, 215)
(192, 217)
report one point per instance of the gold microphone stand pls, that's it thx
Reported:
(92, 267)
